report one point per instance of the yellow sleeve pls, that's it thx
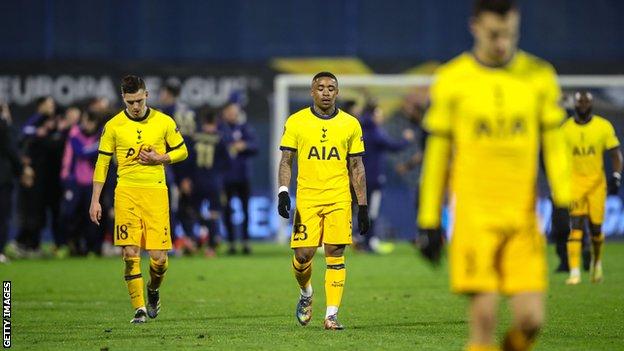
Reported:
(438, 117)
(437, 155)
(175, 141)
(356, 142)
(105, 153)
(433, 181)
(552, 114)
(558, 165)
(612, 139)
(289, 136)
(172, 135)
(556, 156)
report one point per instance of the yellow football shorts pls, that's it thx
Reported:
(142, 218)
(489, 258)
(589, 202)
(315, 224)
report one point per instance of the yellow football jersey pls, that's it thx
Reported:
(587, 143)
(126, 137)
(493, 116)
(323, 145)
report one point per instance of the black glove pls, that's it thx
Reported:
(430, 242)
(363, 220)
(613, 185)
(283, 205)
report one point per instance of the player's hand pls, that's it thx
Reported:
(613, 185)
(430, 242)
(363, 220)
(150, 157)
(95, 212)
(283, 205)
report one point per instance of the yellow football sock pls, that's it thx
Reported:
(597, 245)
(134, 281)
(303, 272)
(482, 348)
(335, 275)
(517, 340)
(157, 273)
(574, 249)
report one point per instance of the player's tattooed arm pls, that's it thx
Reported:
(358, 178)
(285, 167)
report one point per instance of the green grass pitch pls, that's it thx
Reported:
(395, 301)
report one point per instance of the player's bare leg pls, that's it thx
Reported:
(302, 267)
(335, 275)
(158, 267)
(134, 281)
(482, 313)
(528, 318)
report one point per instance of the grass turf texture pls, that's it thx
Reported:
(247, 302)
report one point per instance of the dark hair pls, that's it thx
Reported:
(501, 7)
(325, 74)
(40, 100)
(207, 115)
(172, 87)
(131, 84)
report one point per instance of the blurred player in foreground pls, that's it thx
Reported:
(588, 137)
(329, 147)
(139, 137)
(491, 111)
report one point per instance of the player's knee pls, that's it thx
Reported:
(530, 324)
(485, 320)
(158, 257)
(303, 257)
(576, 222)
(595, 229)
(130, 252)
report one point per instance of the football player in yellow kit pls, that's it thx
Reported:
(588, 137)
(329, 148)
(492, 109)
(143, 140)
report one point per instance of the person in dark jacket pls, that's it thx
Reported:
(11, 168)
(242, 146)
(378, 144)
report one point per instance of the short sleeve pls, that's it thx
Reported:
(107, 141)
(289, 136)
(552, 115)
(612, 139)
(173, 137)
(438, 117)
(356, 142)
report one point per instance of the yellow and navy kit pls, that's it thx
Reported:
(587, 144)
(125, 137)
(489, 121)
(323, 144)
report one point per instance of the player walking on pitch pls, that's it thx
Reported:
(139, 137)
(491, 111)
(329, 147)
(588, 137)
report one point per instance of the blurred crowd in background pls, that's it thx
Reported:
(47, 164)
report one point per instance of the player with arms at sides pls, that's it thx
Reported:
(329, 148)
(588, 137)
(143, 140)
(491, 111)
